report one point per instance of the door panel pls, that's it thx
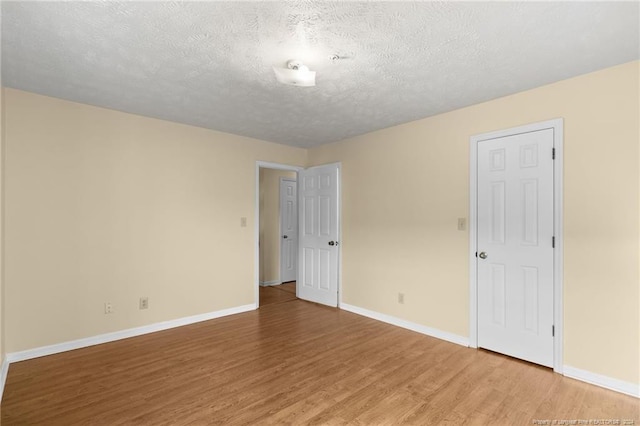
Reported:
(515, 230)
(531, 290)
(498, 297)
(288, 230)
(498, 227)
(318, 242)
(529, 218)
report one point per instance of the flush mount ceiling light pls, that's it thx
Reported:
(296, 74)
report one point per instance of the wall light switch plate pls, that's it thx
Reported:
(243, 222)
(462, 223)
(144, 303)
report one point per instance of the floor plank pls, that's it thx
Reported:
(295, 363)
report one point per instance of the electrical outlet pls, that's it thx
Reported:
(401, 298)
(462, 223)
(108, 308)
(144, 303)
(243, 222)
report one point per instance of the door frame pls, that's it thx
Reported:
(282, 179)
(256, 222)
(557, 125)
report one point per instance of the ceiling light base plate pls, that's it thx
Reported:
(296, 74)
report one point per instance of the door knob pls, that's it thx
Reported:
(285, 236)
(482, 255)
(333, 243)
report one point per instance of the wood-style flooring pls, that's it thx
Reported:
(278, 293)
(295, 363)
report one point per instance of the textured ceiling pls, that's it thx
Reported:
(209, 64)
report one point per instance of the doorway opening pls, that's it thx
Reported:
(317, 257)
(277, 233)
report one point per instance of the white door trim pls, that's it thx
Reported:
(284, 179)
(256, 225)
(339, 164)
(557, 126)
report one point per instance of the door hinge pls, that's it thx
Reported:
(553, 331)
(553, 242)
(553, 153)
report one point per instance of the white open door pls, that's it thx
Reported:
(515, 235)
(318, 234)
(288, 229)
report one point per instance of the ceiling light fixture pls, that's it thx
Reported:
(296, 74)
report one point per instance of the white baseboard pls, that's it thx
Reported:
(123, 334)
(4, 369)
(269, 283)
(602, 381)
(439, 334)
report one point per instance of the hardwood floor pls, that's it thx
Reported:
(288, 286)
(278, 293)
(295, 363)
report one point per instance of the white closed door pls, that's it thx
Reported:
(515, 246)
(288, 229)
(318, 236)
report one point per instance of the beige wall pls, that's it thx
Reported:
(107, 206)
(270, 223)
(405, 186)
